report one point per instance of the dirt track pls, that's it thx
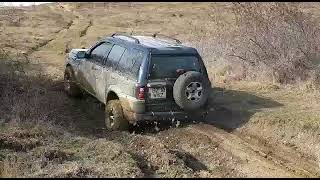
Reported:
(208, 151)
(202, 150)
(192, 149)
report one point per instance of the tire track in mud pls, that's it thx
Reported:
(257, 160)
(161, 155)
(152, 156)
(287, 157)
(201, 153)
(205, 151)
(39, 46)
(46, 57)
(85, 30)
(46, 42)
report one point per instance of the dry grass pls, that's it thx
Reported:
(37, 117)
(39, 138)
(35, 27)
(294, 121)
(62, 155)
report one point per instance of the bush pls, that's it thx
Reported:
(279, 36)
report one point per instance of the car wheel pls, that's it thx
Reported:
(70, 87)
(191, 91)
(115, 119)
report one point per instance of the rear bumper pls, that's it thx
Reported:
(151, 116)
(134, 110)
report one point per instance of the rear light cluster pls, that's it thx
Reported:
(141, 92)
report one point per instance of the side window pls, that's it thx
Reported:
(124, 63)
(115, 55)
(100, 52)
(130, 62)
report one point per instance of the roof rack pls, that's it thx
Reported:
(126, 35)
(157, 34)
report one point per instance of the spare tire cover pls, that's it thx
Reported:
(191, 90)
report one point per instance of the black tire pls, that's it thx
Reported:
(117, 122)
(187, 96)
(70, 86)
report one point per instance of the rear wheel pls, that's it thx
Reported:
(70, 86)
(115, 119)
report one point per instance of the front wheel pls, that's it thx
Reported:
(115, 119)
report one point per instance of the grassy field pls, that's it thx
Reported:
(43, 133)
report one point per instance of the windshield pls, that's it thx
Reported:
(167, 66)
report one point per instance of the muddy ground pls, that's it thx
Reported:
(239, 138)
(82, 147)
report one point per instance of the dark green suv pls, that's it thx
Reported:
(140, 78)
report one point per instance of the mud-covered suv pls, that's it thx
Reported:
(140, 78)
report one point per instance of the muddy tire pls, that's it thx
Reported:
(115, 119)
(191, 90)
(70, 87)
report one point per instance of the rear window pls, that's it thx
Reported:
(166, 66)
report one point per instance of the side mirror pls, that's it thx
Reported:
(81, 55)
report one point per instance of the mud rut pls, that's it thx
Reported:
(194, 150)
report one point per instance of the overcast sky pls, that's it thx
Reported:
(21, 3)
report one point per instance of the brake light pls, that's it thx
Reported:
(141, 93)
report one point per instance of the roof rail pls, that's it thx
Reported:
(126, 35)
(157, 34)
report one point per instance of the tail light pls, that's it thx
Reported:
(141, 91)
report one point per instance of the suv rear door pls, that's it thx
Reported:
(163, 72)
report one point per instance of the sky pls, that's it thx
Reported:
(21, 3)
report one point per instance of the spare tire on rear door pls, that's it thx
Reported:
(191, 90)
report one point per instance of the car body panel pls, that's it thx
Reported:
(101, 80)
